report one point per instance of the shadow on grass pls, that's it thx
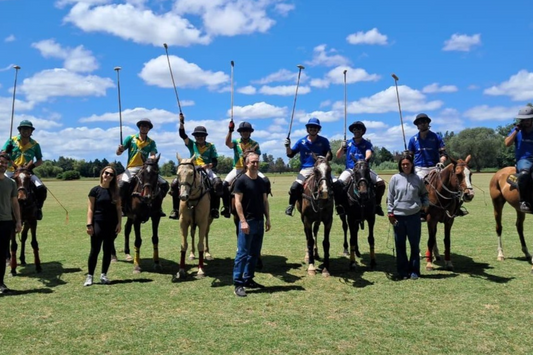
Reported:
(467, 265)
(51, 273)
(27, 292)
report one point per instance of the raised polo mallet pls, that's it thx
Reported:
(345, 103)
(16, 67)
(232, 65)
(172, 76)
(399, 108)
(117, 69)
(300, 67)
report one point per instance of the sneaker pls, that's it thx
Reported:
(39, 214)
(4, 290)
(289, 210)
(239, 291)
(88, 280)
(525, 207)
(414, 276)
(379, 211)
(104, 280)
(174, 215)
(214, 213)
(225, 212)
(252, 284)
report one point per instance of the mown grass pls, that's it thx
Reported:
(482, 307)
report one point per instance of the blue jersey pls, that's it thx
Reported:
(306, 148)
(356, 151)
(524, 145)
(427, 151)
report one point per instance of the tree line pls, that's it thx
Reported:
(485, 145)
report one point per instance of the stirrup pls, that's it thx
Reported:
(289, 210)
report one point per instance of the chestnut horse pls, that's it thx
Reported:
(146, 201)
(447, 188)
(501, 192)
(361, 206)
(194, 211)
(28, 207)
(315, 207)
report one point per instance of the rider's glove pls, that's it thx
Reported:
(287, 142)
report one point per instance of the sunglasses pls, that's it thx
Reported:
(108, 173)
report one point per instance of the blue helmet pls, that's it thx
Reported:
(313, 122)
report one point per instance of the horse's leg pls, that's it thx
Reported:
(345, 231)
(498, 207)
(207, 254)
(354, 229)
(432, 232)
(137, 248)
(192, 254)
(308, 228)
(326, 245)
(184, 228)
(371, 241)
(127, 232)
(316, 228)
(520, 217)
(202, 231)
(23, 238)
(13, 259)
(35, 245)
(447, 245)
(156, 218)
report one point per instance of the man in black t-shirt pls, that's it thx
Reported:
(251, 204)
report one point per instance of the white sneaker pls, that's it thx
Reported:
(104, 280)
(88, 280)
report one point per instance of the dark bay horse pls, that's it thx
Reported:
(194, 212)
(316, 207)
(146, 200)
(28, 207)
(360, 207)
(501, 191)
(447, 188)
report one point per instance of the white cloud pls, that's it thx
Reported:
(281, 76)
(371, 37)
(258, 110)
(247, 90)
(486, 113)
(61, 82)
(10, 38)
(284, 90)
(326, 58)
(323, 116)
(519, 87)
(336, 76)
(75, 59)
(462, 43)
(435, 88)
(132, 116)
(186, 75)
(284, 9)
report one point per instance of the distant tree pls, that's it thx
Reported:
(280, 166)
(169, 168)
(65, 163)
(482, 143)
(294, 163)
(225, 164)
(47, 170)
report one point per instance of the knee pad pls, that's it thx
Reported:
(296, 189)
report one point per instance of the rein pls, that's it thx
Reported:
(194, 187)
(312, 184)
(455, 195)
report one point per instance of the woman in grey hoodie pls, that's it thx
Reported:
(407, 196)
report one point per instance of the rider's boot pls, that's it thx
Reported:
(339, 191)
(41, 192)
(226, 200)
(215, 204)
(523, 188)
(174, 192)
(163, 186)
(380, 191)
(124, 196)
(295, 195)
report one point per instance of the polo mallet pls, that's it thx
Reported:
(345, 103)
(300, 67)
(172, 76)
(16, 67)
(399, 108)
(117, 69)
(231, 115)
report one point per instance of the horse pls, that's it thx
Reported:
(28, 207)
(502, 191)
(447, 188)
(207, 254)
(315, 207)
(195, 206)
(360, 206)
(146, 200)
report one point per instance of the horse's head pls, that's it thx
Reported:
(464, 176)
(361, 179)
(322, 174)
(148, 177)
(186, 177)
(22, 178)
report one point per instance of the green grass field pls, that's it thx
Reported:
(483, 307)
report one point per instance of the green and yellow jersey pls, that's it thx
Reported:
(138, 150)
(22, 154)
(205, 154)
(239, 148)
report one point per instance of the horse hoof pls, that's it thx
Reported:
(13, 273)
(326, 273)
(311, 272)
(192, 257)
(429, 268)
(209, 257)
(128, 257)
(501, 258)
(114, 258)
(345, 253)
(23, 263)
(200, 274)
(137, 270)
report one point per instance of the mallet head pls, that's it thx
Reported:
(345, 71)
(16, 67)
(165, 45)
(395, 77)
(232, 63)
(300, 66)
(117, 68)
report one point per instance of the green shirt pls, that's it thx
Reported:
(138, 150)
(23, 154)
(239, 148)
(205, 154)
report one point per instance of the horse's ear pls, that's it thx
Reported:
(468, 158)
(193, 159)
(158, 156)
(454, 162)
(178, 158)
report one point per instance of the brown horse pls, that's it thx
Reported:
(194, 211)
(501, 192)
(28, 207)
(447, 188)
(146, 201)
(315, 207)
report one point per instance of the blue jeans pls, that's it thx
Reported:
(408, 227)
(248, 251)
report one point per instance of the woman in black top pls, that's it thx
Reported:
(104, 219)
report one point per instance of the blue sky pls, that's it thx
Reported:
(464, 63)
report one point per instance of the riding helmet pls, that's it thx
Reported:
(357, 124)
(313, 122)
(245, 127)
(199, 131)
(145, 120)
(525, 113)
(421, 116)
(26, 123)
